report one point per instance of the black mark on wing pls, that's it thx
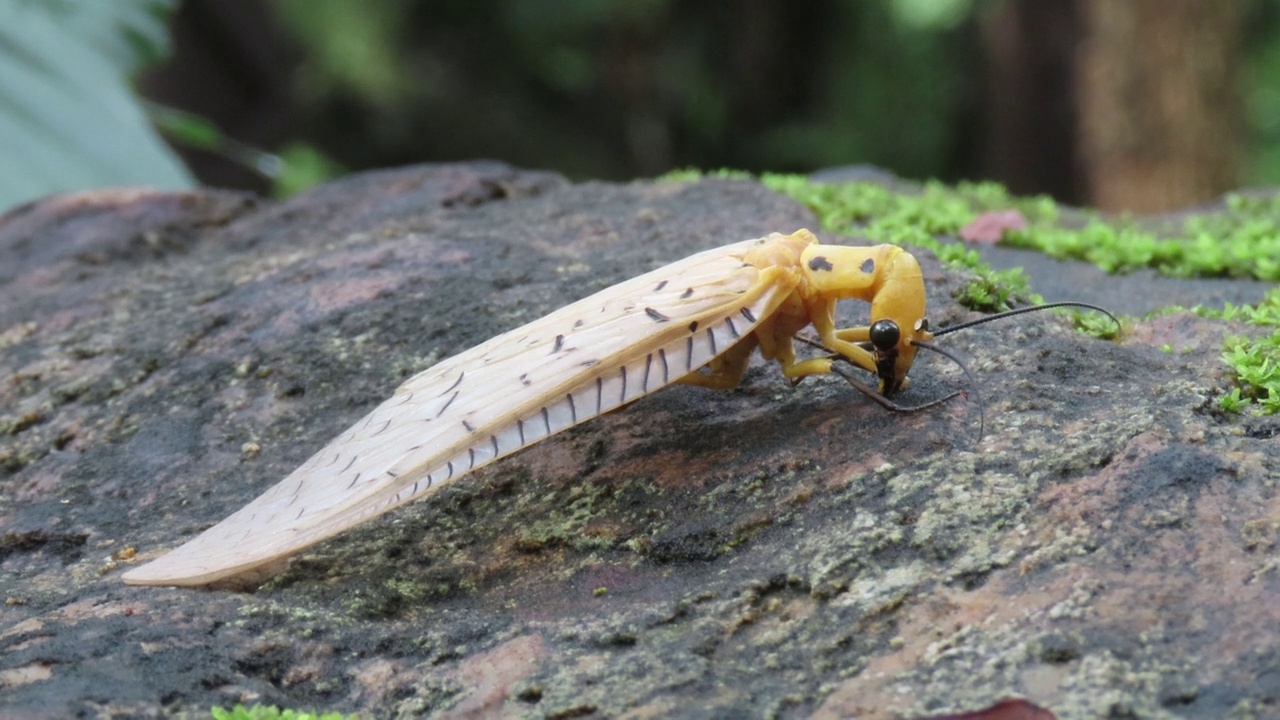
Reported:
(868, 266)
(656, 315)
(447, 404)
(559, 344)
(382, 429)
(666, 371)
(733, 330)
(493, 440)
(687, 294)
(688, 353)
(354, 480)
(711, 337)
(520, 429)
(349, 464)
(622, 396)
(660, 286)
(524, 379)
(573, 410)
(470, 428)
(750, 316)
(454, 385)
(693, 326)
(471, 458)
(644, 382)
(546, 419)
(450, 466)
(599, 395)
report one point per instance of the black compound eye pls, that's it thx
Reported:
(885, 334)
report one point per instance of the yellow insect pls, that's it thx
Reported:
(697, 321)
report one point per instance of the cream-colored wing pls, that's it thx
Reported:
(494, 399)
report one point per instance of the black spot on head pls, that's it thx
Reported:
(820, 264)
(868, 266)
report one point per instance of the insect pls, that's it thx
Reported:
(697, 321)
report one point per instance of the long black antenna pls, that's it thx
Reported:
(1023, 311)
(883, 401)
(888, 404)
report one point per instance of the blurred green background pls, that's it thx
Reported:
(1138, 105)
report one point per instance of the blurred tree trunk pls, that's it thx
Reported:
(1160, 117)
(1029, 111)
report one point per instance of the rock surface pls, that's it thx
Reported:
(1108, 548)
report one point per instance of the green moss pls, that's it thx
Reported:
(694, 174)
(1095, 324)
(267, 712)
(1255, 361)
(1241, 243)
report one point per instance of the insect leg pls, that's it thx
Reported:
(796, 370)
(842, 342)
(858, 334)
(776, 344)
(727, 369)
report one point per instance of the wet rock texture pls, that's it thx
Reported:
(1107, 549)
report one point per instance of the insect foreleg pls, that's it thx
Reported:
(836, 341)
(858, 334)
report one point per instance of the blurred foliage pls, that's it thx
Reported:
(1242, 243)
(1261, 87)
(590, 88)
(70, 120)
(610, 89)
(601, 88)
